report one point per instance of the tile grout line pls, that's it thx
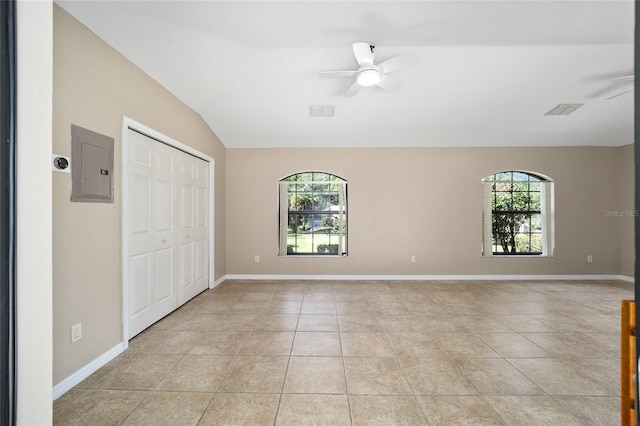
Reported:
(601, 343)
(286, 371)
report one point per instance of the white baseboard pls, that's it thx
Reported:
(217, 282)
(65, 385)
(427, 277)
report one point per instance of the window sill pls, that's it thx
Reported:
(313, 255)
(519, 256)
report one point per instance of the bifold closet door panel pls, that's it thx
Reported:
(193, 219)
(167, 218)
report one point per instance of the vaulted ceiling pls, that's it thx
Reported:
(488, 70)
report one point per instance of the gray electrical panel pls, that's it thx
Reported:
(91, 166)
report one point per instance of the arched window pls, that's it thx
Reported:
(518, 215)
(313, 215)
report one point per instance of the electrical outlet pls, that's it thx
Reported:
(256, 259)
(413, 259)
(76, 332)
(589, 258)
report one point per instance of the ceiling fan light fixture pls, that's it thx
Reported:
(368, 77)
(371, 74)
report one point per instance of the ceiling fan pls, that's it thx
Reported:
(624, 78)
(371, 74)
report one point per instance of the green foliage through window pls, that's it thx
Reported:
(516, 216)
(316, 214)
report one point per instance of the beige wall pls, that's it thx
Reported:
(402, 202)
(94, 87)
(626, 205)
(34, 347)
(428, 203)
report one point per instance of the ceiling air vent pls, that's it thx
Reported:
(564, 109)
(321, 110)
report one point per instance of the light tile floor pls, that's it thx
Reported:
(368, 353)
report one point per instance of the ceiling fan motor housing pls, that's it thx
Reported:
(368, 75)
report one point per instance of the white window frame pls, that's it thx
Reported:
(283, 216)
(547, 210)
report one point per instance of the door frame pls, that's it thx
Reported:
(8, 288)
(129, 123)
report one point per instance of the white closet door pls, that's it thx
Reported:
(142, 234)
(201, 226)
(167, 222)
(186, 287)
(165, 241)
(193, 223)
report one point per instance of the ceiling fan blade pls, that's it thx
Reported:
(619, 94)
(625, 77)
(363, 53)
(338, 73)
(353, 89)
(389, 84)
(401, 61)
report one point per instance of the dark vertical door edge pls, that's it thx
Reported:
(7, 212)
(636, 148)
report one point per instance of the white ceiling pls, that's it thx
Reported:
(489, 70)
